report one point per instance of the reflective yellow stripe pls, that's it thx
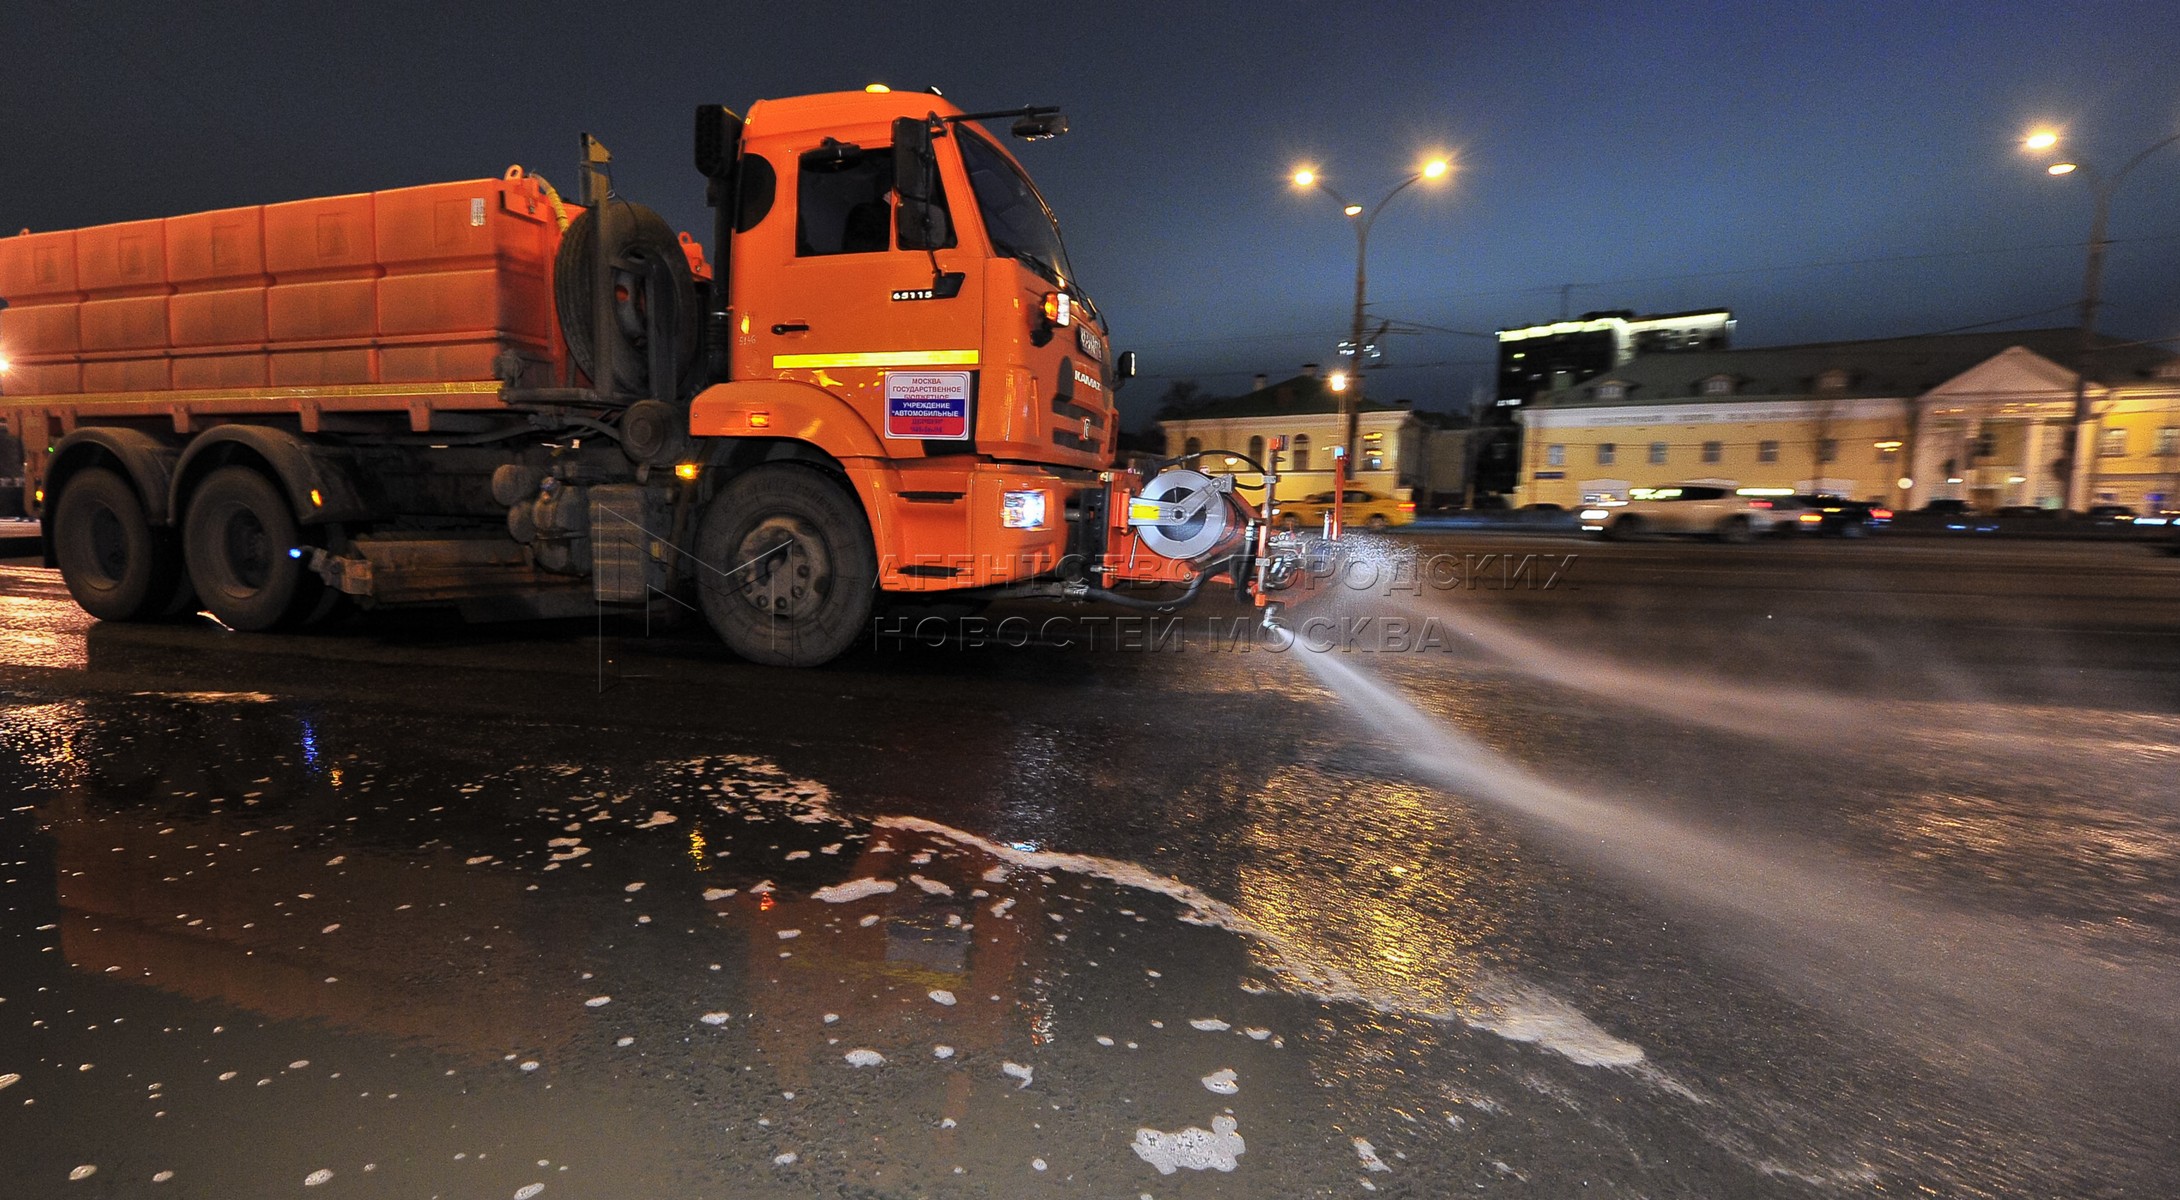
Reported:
(876, 358)
(339, 391)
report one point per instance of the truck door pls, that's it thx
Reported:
(839, 305)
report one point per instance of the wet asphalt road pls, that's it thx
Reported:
(1798, 870)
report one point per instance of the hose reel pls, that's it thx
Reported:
(1186, 514)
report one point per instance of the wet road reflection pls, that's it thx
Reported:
(304, 920)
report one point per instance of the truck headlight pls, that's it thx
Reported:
(1022, 510)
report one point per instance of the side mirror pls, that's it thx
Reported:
(1039, 125)
(1124, 367)
(919, 224)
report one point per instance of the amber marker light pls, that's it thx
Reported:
(760, 420)
(686, 471)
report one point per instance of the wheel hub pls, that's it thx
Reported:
(783, 568)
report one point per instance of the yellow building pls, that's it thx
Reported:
(1982, 418)
(1391, 456)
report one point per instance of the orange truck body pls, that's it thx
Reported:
(363, 351)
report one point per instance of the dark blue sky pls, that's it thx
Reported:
(1828, 170)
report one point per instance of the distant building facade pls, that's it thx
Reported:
(1981, 417)
(1534, 359)
(1391, 455)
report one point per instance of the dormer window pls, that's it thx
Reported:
(1718, 385)
(1834, 380)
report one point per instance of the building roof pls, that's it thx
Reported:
(1882, 367)
(1301, 395)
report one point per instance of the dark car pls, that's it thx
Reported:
(1840, 517)
(2028, 512)
(1948, 507)
(2106, 516)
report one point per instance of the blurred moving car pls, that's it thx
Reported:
(1840, 517)
(2027, 512)
(1367, 509)
(2106, 516)
(1697, 509)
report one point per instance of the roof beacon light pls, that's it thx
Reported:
(1059, 308)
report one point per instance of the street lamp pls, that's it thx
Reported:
(1351, 389)
(2102, 187)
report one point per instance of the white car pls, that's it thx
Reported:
(1692, 509)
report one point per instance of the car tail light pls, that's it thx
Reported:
(1407, 506)
(1882, 514)
(1759, 504)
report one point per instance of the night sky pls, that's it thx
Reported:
(1827, 170)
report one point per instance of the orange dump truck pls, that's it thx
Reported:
(882, 382)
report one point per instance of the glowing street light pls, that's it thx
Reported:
(2075, 479)
(1349, 385)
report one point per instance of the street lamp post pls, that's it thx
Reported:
(1351, 393)
(2080, 461)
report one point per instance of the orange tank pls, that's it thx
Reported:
(434, 284)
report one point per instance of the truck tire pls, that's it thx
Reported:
(785, 566)
(237, 536)
(115, 564)
(637, 239)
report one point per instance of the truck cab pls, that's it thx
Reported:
(902, 309)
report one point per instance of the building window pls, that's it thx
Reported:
(1767, 452)
(1301, 452)
(2112, 443)
(1718, 385)
(1555, 456)
(1657, 454)
(1986, 444)
(1607, 452)
(2168, 442)
(1193, 446)
(1256, 448)
(1713, 451)
(1834, 380)
(1827, 449)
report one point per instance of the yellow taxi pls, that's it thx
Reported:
(1362, 509)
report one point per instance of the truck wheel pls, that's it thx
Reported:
(115, 564)
(238, 535)
(785, 566)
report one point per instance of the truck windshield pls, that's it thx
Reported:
(1015, 216)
